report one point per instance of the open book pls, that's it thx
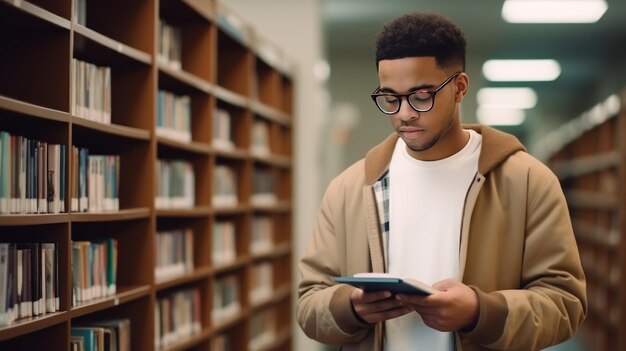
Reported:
(387, 282)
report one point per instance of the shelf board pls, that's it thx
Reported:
(236, 154)
(32, 219)
(113, 129)
(185, 78)
(239, 262)
(27, 109)
(282, 206)
(230, 97)
(280, 294)
(194, 147)
(279, 250)
(189, 342)
(124, 295)
(585, 165)
(112, 45)
(280, 339)
(38, 12)
(274, 160)
(28, 325)
(589, 199)
(271, 113)
(196, 212)
(121, 215)
(197, 274)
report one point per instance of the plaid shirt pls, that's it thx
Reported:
(381, 194)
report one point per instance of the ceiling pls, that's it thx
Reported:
(592, 56)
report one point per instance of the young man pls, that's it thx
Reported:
(462, 208)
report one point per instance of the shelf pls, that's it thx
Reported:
(122, 215)
(24, 326)
(125, 294)
(38, 12)
(96, 45)
(166, 78)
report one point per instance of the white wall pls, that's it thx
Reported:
(295, 27)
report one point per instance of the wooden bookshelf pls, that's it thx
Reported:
(216, 62)
(591, 166)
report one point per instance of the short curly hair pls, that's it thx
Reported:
(420, 34)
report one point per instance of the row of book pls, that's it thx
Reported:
(260, 143)
(104, 335)
(94, 269)
(226, 303)
(262, 329)
(222, 135)
(261, 282)
(177, 316)
(262, 235)
(95, 181)
(92, 91)
(224, 242)
(29, 284)
(174, 253)
(173, 116)
(80, 12)
(264, 187)
(224, 186)
(32, 175)
(175, 184)
(170, 45)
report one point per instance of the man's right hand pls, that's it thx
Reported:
(376, 306)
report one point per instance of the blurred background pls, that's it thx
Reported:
(577, 70)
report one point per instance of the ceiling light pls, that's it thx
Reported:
(509, 98)
(553, 11)
(500, 117)
(521, 70)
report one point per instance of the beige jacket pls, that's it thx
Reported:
(517, 252)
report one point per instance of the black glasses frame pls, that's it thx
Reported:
(432, 94)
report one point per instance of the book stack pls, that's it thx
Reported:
(29, 280)
(222, 138)
(226, 303)
(173, 116)
(105, 335)
(32, 175)
(224, 242)
(94, 269)
(224, 186)
(264, 187)
(177, 317)
(260, 145)
(170, 46)
(92, 91)
(95, 181)
(261, 282)
(174, 253)
(262, 235)
(262, 329)
(221, 343)
(175, 182)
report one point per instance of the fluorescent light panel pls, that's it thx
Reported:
(553, 11)
(500, 117)
(521, 70)
(507, 98)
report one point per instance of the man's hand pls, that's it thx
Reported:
(376, 306)
(453, 307)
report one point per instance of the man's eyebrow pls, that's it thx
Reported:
(415, 88)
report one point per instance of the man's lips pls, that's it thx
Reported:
(410, 132)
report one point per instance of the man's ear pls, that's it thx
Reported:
(462, 85)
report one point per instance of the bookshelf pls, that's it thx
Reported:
(591, 165)
(174, 91)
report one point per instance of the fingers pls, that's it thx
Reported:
(377, 306)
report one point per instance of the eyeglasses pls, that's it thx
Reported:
(420, 100)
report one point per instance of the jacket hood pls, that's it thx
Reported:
(497, 147)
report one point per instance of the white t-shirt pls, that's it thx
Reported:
(426, 202)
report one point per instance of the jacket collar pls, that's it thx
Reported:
(496, 147)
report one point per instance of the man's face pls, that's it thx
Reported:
(431, 135)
